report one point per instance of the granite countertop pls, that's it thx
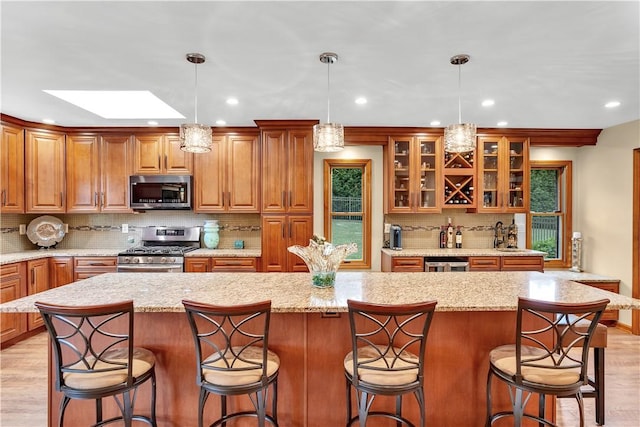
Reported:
(579, 275)
(292, 292)
(45, 253)
(436, 252)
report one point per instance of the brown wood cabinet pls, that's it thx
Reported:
(460, 180)
(278, 233)
(287, 170)
(44, 172)
(227, 179)
(13, 279)
(220, 264)
(61, 271)
(97, 170)
(522, 263)
(12, 170)
(156, 154)
(484, 263)
(414, 183)
(503, 174)
(85, 267)
(609, 316)
(37, 281)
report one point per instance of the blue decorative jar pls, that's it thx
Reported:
(211, 235)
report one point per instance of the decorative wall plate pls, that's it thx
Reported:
(45, 231)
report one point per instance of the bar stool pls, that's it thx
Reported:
(541, 361)
(596, 382)
(380, 362)
(95, 358)
(233, 358)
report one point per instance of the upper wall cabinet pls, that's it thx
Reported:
(160, 154)
(227, 178)
(98, 170)
(12, 170)
(45, 172)
(503, 172)
(287, 170)
(459, 180)
(415, 183)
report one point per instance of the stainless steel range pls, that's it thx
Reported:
(162, 250)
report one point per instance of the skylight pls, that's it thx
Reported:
(119, 104)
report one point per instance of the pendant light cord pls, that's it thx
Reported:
(196, 93)
(459, 94)
(328, 92)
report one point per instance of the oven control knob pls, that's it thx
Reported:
(172, 259)
(149, 260)
(126, 260)
(136, 260)
(163, 260)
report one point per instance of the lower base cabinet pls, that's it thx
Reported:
(220, 264)
(609, 317)
(85, 267)
(278, 233)
(61, 271)
(37, 281)
(13, 285)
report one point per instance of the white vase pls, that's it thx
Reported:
(211, 236)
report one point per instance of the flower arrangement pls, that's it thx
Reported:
(323, 259)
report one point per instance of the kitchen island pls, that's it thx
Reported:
(310, 333)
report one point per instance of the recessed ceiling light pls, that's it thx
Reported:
(152, 123)
(48, 121)
(488, 102)
(612, 104)
(502, 123)
(221, 122)
(232, 101)
(119, 104)
(361, 100)
(435, 123)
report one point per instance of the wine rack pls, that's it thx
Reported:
(459, 180)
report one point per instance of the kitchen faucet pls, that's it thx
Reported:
(498, 236)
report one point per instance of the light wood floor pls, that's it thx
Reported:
(23, 389)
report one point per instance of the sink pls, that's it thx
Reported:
(511, 250)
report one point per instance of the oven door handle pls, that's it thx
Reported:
(138, 268)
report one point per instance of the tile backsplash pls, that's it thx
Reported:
(105, 230)
(423, 230)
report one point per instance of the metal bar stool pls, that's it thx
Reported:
(596, 382)
(541, 361)
(95, 358)
(233, 358)
(387, 357)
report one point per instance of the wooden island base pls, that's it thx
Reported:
(311, 386)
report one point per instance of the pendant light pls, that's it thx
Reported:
(461, 137)
(194, 137)
(328, 137)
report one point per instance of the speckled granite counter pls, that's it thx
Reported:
(231, 253)
(460, 252)
(292, 292)
(578, 276)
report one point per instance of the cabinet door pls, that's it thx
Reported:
(37, 281)
(427, 184)
(300, 170)
(243, 177)
(233, 264)
(196, 265)
(61, 271)
(12, 170)
(44, 172)
(274, 171)
(85, 267)
(176, 161)
(12, 287)
(517, 175)
(275, 240)
(148, 157)
(209, 181)
(400, 177)
(115, 168)
(300, 229)
(83, 173)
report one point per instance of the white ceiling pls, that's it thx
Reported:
(546, 64)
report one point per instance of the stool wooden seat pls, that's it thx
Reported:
(95, 358)
(233, 358)
(596, 386)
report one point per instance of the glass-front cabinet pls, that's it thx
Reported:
(415, 179)
(503, 174)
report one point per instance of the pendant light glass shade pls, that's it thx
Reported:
(194, 137)
(328, 137)
(461, 137)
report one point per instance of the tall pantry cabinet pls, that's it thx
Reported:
(287, 192)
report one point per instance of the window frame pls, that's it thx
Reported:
(365, 165)
(565, 195)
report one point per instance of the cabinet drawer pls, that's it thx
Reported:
(484, 263)
(522, 263)
(9, 270)
(234, 264)
(609, 316)
(407, 264)
(88, 262)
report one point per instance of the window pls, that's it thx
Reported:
(549, 220)
(347, 207)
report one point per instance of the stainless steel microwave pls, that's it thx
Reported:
(150, 192)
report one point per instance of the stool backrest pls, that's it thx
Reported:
(552, 330)
(384, 332)
(223, 333)
(91, 340)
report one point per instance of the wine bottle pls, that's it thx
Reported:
(450, 235)
(443, 238)
(458, 238)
